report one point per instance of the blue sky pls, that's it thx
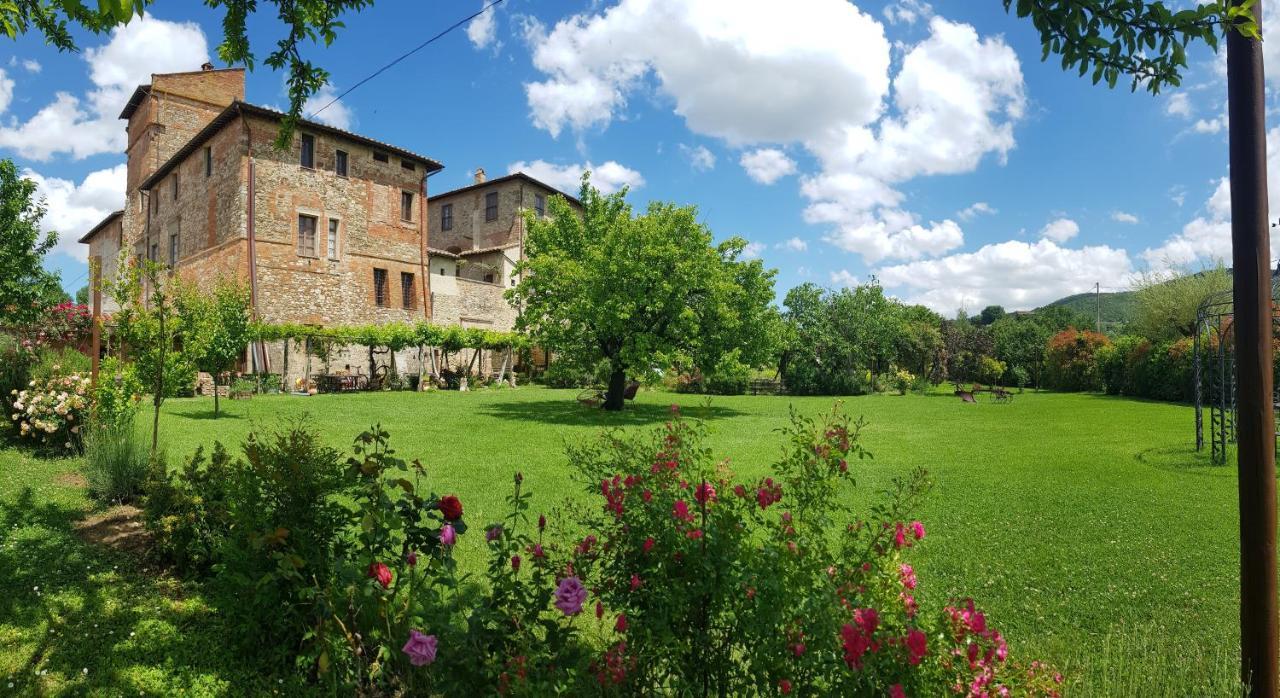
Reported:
(925, 144)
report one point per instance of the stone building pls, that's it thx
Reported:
(105, 241)
(477, 238)
(332, 230)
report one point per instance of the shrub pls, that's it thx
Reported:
(730, 376)
(116, 460)
(990, 369)
(52, 412)
(768, 599)
(53, 362)
(1070, 363)
(16, 358)
(1020, 377)
(118, 393)
(187, 510)
(902, 381)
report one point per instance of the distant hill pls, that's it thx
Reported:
(1117, 308)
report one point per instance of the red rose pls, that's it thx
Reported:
(451, 507)
(380, 572)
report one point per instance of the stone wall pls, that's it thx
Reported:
(470, 230)
(475, 304)
(317, 288)
(105, 244)
(176, 108)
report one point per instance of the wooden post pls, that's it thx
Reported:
(1255, 426)
(95, 351)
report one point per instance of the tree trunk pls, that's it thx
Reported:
(613, 400)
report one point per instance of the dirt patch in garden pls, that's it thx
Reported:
(118, 528)
(71, 479)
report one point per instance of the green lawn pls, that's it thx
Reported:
(1086, 526)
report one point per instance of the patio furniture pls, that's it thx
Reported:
(594, 397)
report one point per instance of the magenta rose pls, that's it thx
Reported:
(420, 648)
(570, 596)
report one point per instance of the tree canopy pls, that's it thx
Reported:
(307, 22)
(624, 288)
(26, 288)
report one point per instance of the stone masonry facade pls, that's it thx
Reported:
(334, 230)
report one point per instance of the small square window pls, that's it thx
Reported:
(540, 205)
(340, 163)
(406, 290)
(491, 206)
(307, 235)
(407, 165)
(380, 287)
(208, 161)
(446, 217)
(307, 158)
(406, 205)
(380, 156)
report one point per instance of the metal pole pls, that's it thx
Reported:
(1255, 431)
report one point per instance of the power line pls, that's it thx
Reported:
(405, 55)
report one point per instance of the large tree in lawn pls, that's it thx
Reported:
(26, 288)
(611, 285)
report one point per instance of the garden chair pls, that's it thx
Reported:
(1001, 395)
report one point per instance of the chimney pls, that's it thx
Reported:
(206, 66)
(479, 175)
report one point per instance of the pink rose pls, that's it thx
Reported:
(917, 530)
(420, 648)
(380, 572)
(570, 595)
(447, 535)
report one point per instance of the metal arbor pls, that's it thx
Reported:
(1214, 371)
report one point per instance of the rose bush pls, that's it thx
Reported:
(684, 578)
(52, 411)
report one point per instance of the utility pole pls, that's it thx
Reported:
(95, 283)
(1097, 294)
(1255, 425)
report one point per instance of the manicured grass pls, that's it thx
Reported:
(1086, 526)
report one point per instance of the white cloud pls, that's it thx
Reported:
(816, 76)
(767, 165)
(880, 240)
(793, 244)
(742, 71)
(1207, 237)
(700, 159)
(979, 208)
(337, 115)
(88, 125)
(1016, 274)
(843, 278)
(907, 11)
(1060, 230)
(1178, 104)
(753, 250)
(608, 177)
(482, 30)
(75, 208)
(6, 91)
(1123, 217)
(28, 64)
(1214, 125)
